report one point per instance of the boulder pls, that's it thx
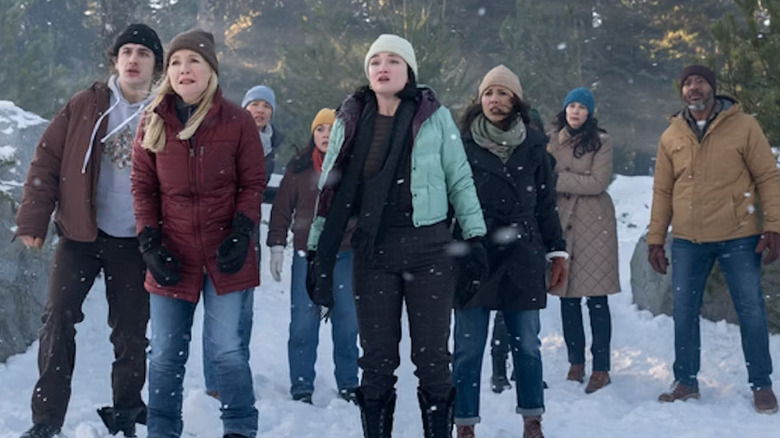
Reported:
(23, 272)
(653, 291)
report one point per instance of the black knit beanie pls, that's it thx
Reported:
(198, 41)
(700, 70)
(144, 35)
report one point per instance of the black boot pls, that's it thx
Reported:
(436, 414)
(376, 415)
(498, 381)
(122, 420)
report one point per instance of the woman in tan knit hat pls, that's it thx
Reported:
(197, 183)
(513, 174)
(294, 208)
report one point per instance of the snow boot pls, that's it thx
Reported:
(598, 380)
(465, 431)
(498, 381)
(678, 391)
(764, 401)
(532, 427)
(41, 431)
(376, 415)
(576, 372)
(348, 394)
(122, 420)
(436, 414)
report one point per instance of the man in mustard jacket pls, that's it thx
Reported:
(713, 164)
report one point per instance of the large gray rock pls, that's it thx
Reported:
(653, 292)
(23, 272)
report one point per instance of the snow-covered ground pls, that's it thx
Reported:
(642, 354)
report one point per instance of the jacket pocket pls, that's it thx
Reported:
(681, 159)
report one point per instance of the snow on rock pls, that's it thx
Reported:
(23, 272)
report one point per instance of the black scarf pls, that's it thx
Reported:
(377, 190)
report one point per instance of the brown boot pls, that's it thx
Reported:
(678, 391)
(466, 431)
(532, 427)
(598, 380)
(764, 401)
(576, 372)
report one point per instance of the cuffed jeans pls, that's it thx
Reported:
(600, 328)
(305, 328)
(471, 332)
(741, 266)
(171, 321)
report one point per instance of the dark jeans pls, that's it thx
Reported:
(410, 267)
(600, 328)
(691, 265)
(74, 268)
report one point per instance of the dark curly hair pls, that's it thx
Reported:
(586, 137)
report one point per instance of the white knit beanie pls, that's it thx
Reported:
(394, 44)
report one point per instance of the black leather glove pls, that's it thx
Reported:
(319, 281)
(473, 270)
(232, 252)
(163, 265)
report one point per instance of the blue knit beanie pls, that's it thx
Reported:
(583, 96)
(260, 92)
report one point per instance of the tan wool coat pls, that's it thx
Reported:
(587, 217)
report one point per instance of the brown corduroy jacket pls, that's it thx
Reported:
(55, 181)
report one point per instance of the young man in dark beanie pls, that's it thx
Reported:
(84, 155)
(713, 164)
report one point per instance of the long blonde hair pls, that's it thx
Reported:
(154, 126)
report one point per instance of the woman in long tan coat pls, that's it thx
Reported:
(583, 154)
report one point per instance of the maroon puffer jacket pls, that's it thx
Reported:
(193, 189)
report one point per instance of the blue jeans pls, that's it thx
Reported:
(244, 329)
(471, 332)
(171, 321)
(305, 328)
(691, 265)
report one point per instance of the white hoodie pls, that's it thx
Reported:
(113, 200)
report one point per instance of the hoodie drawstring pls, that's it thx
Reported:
(92, 137)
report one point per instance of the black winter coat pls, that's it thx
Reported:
(519, 205)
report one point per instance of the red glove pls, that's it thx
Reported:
(657, 258)
(557, 273)
(769, 240)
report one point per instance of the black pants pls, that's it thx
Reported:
(499, 342)
(74, 268)
(411, 266)
(600, 327)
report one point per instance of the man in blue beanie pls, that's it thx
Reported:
(713, 164)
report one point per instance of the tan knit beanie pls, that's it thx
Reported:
(503, 77)
(197, 40)
(325, 116)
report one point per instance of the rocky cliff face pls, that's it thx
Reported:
(23, 272)
(653, 292)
